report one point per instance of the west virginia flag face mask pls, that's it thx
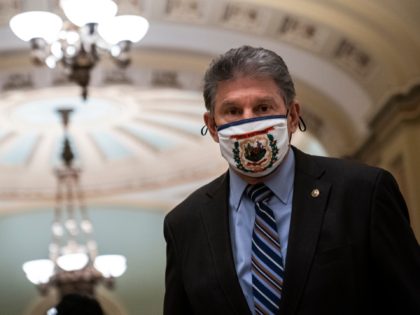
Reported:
(255, 146)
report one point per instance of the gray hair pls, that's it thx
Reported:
(249, 62)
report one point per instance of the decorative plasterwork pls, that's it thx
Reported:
(15, 81)
(248, 17)
(241, 17)
(351, 56)
(132, 139)
(301, 32)
(42, 77)
(184, 10)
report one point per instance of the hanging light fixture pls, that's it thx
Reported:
(73, 265)
(92, 28)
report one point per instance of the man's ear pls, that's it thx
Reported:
(211, 125)
(294, 114)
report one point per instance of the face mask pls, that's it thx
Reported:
(255, 146)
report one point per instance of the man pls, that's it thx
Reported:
(283, 232)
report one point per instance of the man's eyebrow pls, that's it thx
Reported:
(265, 99)
(228, 103)
(233, 102)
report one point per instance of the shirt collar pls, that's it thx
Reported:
(280, 183)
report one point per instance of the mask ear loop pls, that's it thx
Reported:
(204, 130)
(301, 124)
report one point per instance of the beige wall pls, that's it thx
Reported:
(395, 145)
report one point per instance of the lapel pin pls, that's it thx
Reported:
(315, 193)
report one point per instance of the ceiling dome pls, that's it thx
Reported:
(128, 138)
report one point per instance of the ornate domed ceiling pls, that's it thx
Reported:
(124, 139)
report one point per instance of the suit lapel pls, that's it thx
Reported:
(216, 221)
(309, 202)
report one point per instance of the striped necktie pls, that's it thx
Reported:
(267, 261)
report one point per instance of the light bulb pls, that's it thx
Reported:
(73, 261)
(111, 265)
(123, 28)
(36, 24)
(38, 271)
(82, 12)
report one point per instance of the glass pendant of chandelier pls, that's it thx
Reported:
(74, 265)
(92, 28)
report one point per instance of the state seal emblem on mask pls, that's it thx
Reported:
(255, 146)
(256, 151)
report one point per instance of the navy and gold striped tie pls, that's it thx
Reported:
(267, 261)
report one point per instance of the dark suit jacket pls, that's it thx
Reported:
(351, 249)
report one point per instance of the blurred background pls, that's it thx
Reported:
(135, 115)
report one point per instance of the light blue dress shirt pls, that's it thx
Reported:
(242, 216)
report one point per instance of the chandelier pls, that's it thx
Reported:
(92, 29)
(73, 265)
